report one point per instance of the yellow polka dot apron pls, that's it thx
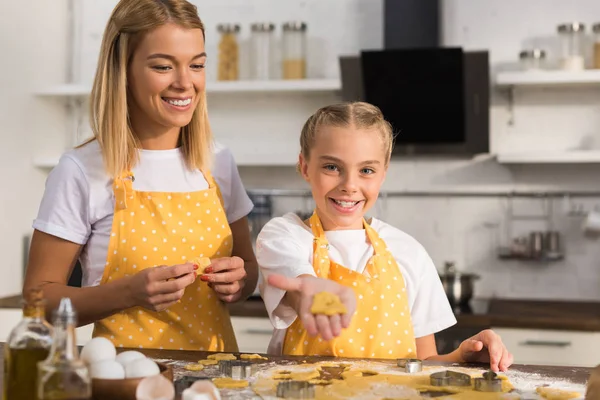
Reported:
(168, 228)
(381, 326)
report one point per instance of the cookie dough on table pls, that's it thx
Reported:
(328, 304)
(194, 367)
(208, 362)
(222, 356)
(230, 383)
(556, 394)
(252, 357)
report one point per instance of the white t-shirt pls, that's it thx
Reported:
(78, 202)
(285, 246)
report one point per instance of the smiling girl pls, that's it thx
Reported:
(391, 289)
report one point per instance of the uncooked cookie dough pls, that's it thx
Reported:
(222, 356)
(252, 357)
(194, 367)
(556, 394)
(202, 263)
(229, 383)
(328, 304)
(208, 362)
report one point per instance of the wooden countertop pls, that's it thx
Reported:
(575, 375)
(559, 315)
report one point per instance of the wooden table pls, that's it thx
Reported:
(574, 374)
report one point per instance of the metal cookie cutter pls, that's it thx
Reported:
(295, 390)
(235, 369)
(410, 365)
(489, 383)
(449, 378)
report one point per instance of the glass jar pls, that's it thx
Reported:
(62, 375)
(28, 343)
(572, 37)
(229, 52)
(261, 42)
(532, 60)
(294, 50)
(596, 30)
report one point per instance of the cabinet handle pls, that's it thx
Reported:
(259, 331)
(545, 343)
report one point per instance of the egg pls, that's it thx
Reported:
(201, 390)
(98, 349)
(155, 388)
(107, 369)
(127, 356)
(141, 368)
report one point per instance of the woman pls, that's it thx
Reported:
(137, 204)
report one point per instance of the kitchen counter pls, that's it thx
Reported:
(482, 314)
(572, 374)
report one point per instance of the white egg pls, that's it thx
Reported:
(98, 349)
(107, 369)
(201, 390)
(155, 387)
(141, 368)
(127, 356)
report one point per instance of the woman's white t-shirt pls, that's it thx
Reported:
(78, 202)
(285, 246)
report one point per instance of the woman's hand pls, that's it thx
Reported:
(486, 347)
(158, 288)
(227, 277)
(300, 292)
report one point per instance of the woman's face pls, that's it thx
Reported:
(165, 78)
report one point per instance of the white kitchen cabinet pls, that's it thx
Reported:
(10, 317)
(552, 347)
(253, 334)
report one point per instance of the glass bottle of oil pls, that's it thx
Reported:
(63, 376)
(28, 343)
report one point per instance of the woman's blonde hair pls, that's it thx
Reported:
(109, 115)
(356, 114)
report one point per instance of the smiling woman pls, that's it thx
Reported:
(138, 205)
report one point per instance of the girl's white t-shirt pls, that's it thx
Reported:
(78, 201)
(285, 246)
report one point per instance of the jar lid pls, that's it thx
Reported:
(537, 54)
(262, 27)
(596, 28)
(294, 26)
(228, 28)
(571, 27)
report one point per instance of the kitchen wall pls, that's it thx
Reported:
(466, 230)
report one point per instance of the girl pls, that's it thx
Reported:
(391, 289)
(137, 204)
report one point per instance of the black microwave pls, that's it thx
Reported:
(437, 99)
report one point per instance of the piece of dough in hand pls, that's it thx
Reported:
(328, 304)
(202, 263)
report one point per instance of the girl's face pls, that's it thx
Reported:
(165, 78)
(345, 169)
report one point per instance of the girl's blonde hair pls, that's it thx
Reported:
(109, 115)
(356, 114)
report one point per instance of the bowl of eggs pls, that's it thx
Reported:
(117, 376)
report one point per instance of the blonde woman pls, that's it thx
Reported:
(137, 204)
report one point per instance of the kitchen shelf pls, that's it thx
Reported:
(272, 86)
(548, 78)
(551, 157)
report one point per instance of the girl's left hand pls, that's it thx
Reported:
(486, 347)
(227, 277)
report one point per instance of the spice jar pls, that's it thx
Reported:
(596, 30)
(572, 37)
(228, 52)
(532, 60)
(294, 50)
(261, 42)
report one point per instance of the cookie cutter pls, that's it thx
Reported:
(236, 369)
(488, 383)
(295, 390)
(410, 365)
(449, 378)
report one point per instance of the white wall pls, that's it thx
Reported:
(32, 43)
(465, 230)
